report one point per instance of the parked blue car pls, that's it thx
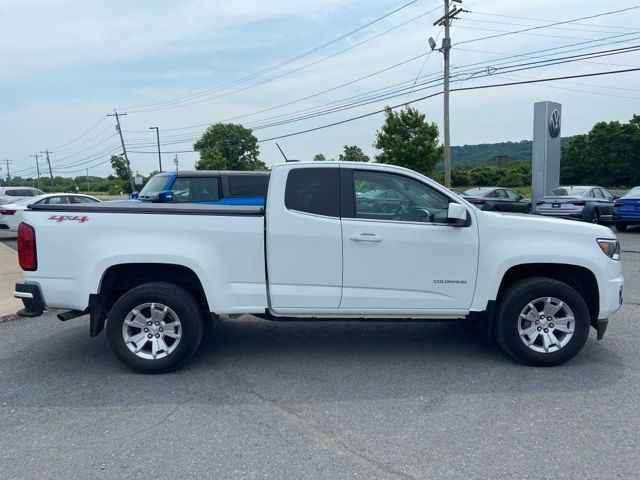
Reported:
(206, 186)
(626, 210)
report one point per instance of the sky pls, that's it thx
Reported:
(183, 65)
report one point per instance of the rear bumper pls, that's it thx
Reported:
(31, 297)
(630, 218)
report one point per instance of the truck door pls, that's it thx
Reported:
(304, 240)
(408, 260)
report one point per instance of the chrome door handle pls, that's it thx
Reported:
(365, 237)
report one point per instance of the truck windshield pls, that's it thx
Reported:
(154, 186)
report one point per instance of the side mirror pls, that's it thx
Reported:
(616, 197)
(456, 214)
(134, 195)
(165, 196)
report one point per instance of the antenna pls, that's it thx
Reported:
(285, 157)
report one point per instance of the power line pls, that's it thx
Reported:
(81, 135)
(524, 82)
(281, 64)
(549, 25)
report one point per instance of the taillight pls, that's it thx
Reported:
(540, 202)
(7, 212)
(578, 202)
(27, 255)
(477, 201)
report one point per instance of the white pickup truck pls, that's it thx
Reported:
(335, 241)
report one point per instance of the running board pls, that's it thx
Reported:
(64, 316)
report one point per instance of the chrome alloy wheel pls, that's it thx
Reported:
(546, 325)
(151, 331)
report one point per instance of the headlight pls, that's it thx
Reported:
(611, 248)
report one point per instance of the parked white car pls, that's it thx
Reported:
(13, 194)
(153, 273)
(11, 214)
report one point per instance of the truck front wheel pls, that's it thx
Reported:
(155, 327)
(541, 321)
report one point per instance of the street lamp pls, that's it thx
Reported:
(158, 138)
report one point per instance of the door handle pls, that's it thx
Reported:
(365, 237)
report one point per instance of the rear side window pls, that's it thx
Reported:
(248, 185)
(314, 190)
(18, 193)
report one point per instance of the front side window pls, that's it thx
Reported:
(18, 193)
(196, 189)
(606, 194)
(512, 195)
(410, 201)
(314, 190)
(83, 200)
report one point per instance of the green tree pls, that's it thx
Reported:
(460, 177)
(408, 140)
(211, 159)
(237, 146)
(511, 178)
(319, 157)
(119, 165)
(607, 155)
(353, 153)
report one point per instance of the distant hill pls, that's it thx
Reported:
(482, 154)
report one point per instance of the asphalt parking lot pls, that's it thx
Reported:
(304, 400)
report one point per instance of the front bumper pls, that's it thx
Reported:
(31, 297)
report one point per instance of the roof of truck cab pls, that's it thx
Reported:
(219, 173)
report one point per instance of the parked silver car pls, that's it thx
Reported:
(13, 194)
(587, 203)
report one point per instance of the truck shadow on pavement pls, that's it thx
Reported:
(293, 362)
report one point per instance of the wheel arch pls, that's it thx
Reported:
(578, 277)
(120, 278)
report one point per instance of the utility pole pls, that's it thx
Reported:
(175, 162)
(445, 21)
(88, 189)
(37, 169)
(47, 152)
(158, 138)
(7, 161)
(124, 150)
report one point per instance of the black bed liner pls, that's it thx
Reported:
(154, 208)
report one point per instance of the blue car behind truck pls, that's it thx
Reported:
(626, 210)
(206, 186)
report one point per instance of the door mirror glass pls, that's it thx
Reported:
(457, 214)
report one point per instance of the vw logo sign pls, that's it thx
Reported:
(554, 124)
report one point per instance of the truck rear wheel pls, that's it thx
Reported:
(155, 327)
(541, 321)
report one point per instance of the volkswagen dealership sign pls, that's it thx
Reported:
(545, 162)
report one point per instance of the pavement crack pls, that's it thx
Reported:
(312, 428)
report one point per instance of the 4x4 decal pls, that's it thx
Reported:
(73, 218)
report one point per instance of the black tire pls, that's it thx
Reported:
(621, 227)
(528, 209)
(595, 217)
(516, 297)
(178, 300)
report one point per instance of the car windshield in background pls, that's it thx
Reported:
(25, 201)
(634, 192)
(154, 186)
(567, 192)
(478, 192)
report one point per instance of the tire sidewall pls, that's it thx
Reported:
(176, 298)
(516, 299)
